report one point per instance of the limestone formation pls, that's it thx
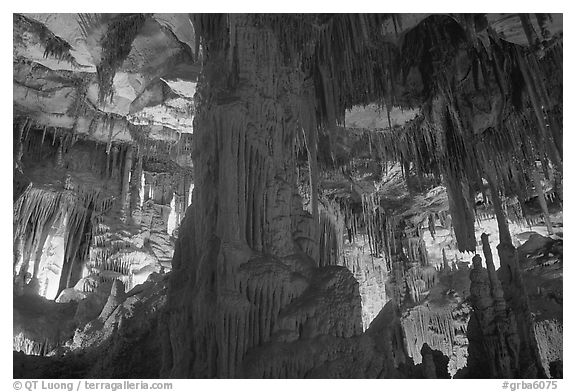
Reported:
(287, 196)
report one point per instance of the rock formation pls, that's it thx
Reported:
(287, 196)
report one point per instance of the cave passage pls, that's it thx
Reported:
(288, 196)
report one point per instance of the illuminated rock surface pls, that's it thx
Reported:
(273, 196)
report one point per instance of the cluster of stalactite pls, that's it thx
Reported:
(387, 235)
(388, 225)
(116, 258)
(37, 210)
(418, 280)
(391, 235)
(147, 145)
(158, 187)
(423, 321)
(116, 45)
(100, 258)
(81, 212)
(334, 50)
(28, 139)
(172, 189)
(418, 137)
(437, 328)
(399, 244)
(372, 216)
(452, 139)
(153, 148)
(406, 145)
(409, 281)
(30, 346)
(507, 154)
(331, 236)
(54, 46)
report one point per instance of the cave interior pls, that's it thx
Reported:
(287, 195)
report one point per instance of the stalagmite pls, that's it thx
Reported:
(116, 298)
(496, 288)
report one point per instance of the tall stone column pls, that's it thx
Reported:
(244, 201)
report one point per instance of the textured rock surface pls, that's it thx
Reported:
(339, 167)
(541, 262)
(517, 324)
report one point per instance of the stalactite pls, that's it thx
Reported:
(125, 195)
(536, 102)
(461, 212)
(528, 29)
(536, 179)
(37, 209)
(136, 186)
(435, 328)
(45, 231)
(27, 128)
(312, 147)
(116, 45)
(30, 346)
(43, 134)
(20, 145)
(503, 230)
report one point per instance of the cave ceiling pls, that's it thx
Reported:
(57, 59)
